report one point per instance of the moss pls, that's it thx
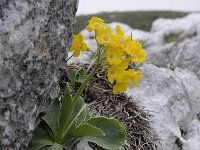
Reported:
(175, 37)
(198, 116)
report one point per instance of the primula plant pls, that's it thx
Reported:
(68, 120)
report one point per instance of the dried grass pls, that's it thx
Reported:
(101, 101)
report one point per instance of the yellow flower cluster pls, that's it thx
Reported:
(119, 52)
(78, 45)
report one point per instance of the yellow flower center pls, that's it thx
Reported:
(96, 25)
(105, 38)
(113, 72)
(111, 56)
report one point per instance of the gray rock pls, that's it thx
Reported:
(184, 48)
(82, 145)
(173, 98)
(193, 136)
(159, 55)
(34, 38)
(188, 56)
(183, 54)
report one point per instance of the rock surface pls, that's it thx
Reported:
(173, 99)
(82, 145)
(34, 37)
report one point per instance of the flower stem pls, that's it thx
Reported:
(80, 90)
(78, 94)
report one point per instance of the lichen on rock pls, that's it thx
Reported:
(34, 38)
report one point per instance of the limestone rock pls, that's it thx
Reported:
(183, 49)
(188, 56)
(34, 38)
(193, 136)
(173, 98)
(82, 145)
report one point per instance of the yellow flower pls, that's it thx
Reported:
(120, 34)
(120, 87)
(117, 72)
(105, 36)
(78, 45)
(94, 24)
(120, 50)
(134, 48)
(139, 56)
(122, 40)
(131, 77)
(113, 55)
(119, 31)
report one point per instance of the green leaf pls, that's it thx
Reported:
(80, 106)
(51, 118)
(44, 148)
(46, 127)
(66, 105)
(55, 146)
(79, 132)
(77, 114)
(114, 132)
(82, 117)
(80, 76)
(80, 73)
(81, 79)
(86, 130)
(71, 74)
(69, 144)
(40, 139)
